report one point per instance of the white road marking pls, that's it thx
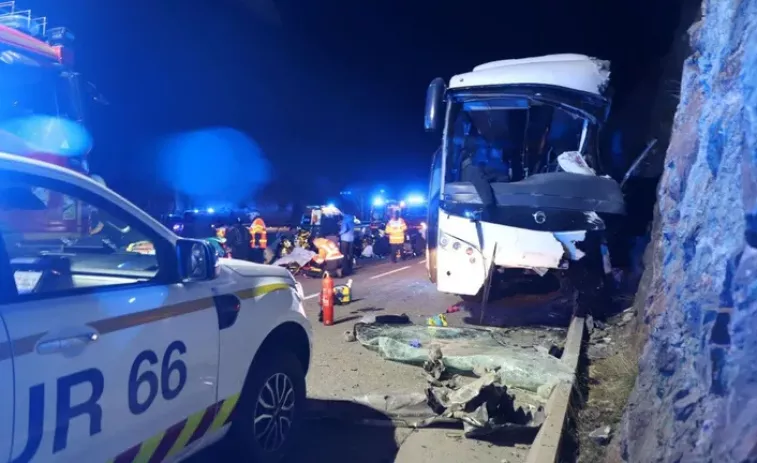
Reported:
(313, 296)
(422, 262)
(389, 272)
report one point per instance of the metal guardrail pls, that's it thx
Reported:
(547, 445)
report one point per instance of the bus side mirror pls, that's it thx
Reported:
(434, 102)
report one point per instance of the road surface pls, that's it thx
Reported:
(342, 370)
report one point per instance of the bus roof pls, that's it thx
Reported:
(572, 71)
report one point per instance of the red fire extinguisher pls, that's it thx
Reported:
(327, 299)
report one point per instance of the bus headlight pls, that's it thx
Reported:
(466, 251)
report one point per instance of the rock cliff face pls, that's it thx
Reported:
(696, 395)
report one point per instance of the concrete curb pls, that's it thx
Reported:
(546, 446)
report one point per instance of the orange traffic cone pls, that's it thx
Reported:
(327, 299)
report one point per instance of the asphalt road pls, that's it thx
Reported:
(343, 370)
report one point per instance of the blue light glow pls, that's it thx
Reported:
(416, 199)
(209, 165)
(211, 210)
(331, 206)
(50, 134)
(378, 201)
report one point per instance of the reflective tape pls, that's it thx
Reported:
(176, 438)
(262, 290)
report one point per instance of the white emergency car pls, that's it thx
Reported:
(116, 352)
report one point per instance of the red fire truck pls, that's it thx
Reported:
(41, 109)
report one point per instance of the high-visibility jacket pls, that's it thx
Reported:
(327, 250)
(258, 237)
(396, 229)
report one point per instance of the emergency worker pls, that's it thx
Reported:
(347, 241)
(396, 229)
(238, 239)
(328, 259)
(220, 231)
(258, 240)
(328, 251)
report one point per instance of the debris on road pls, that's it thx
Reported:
(454, 308)
(483, 407)
(601, 435)
(468, 351)
(437, 320)
(486, 381)
(385, 319)
(343, 293)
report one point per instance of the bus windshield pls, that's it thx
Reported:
(510, 137)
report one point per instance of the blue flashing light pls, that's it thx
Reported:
(210, 210)
(196, 211)
(416, 199)
(378, 201)
(331, 205)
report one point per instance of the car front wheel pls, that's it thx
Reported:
(271, 408)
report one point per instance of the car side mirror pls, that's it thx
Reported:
(434, 105)
(197, 260)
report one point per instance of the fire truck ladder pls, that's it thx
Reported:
(22, 20)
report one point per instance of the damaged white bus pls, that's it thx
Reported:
(518, 185)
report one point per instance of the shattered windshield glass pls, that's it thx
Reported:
(507, 138)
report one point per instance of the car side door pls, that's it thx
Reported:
(115, 351)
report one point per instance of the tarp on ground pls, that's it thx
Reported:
(299, 256)
(468, 351)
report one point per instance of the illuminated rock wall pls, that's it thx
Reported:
(696, 394)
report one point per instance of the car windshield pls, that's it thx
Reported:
(511, 138)
(36, 222)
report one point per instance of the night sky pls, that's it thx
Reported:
(337, 88)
